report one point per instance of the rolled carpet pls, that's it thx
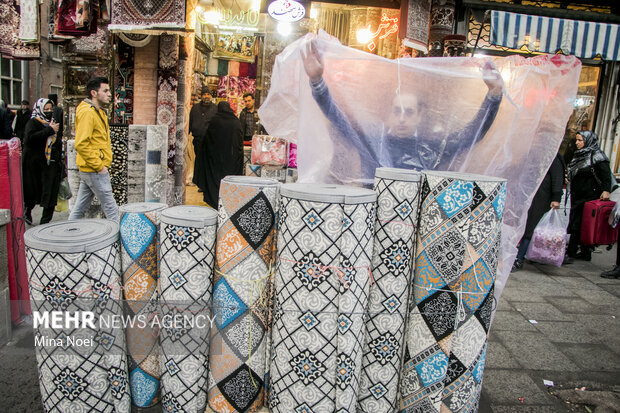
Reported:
(456, 262)
(321, 288)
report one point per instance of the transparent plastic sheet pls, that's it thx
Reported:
(520, 145)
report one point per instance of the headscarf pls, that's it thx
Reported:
(37, 113)
(586, 157)
(224, 107)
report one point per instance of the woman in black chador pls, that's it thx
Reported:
(42, 161)
(589, 177)
(223, 151)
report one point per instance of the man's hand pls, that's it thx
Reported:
(492, 78)
(104, 170)
(605, 196)
(54, 125)
(555, 205)
(313, 63)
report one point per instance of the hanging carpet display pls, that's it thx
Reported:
(392, 265)
(13, 200)
(458, 248)
(321, 286)
(155, 174)
(139, 230)
(187, 255)
(241, 294)
(136, 163)
(75, 266)
(118, 169)
(167, 86)
(123, 83)
(153, 16)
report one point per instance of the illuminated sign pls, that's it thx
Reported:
(390, 25)
(286, 11)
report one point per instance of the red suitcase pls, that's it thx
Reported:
(594, 227)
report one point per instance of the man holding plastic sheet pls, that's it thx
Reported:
(94, 151)
(392, 145)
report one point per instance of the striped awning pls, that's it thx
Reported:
(550, 35)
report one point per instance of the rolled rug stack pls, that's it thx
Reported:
(321, 286)
(139, 229)
(74, 266)
(136, 163)
(241, 294)
(392, 272)
(187, 256)
(156, 169)
(458, 247)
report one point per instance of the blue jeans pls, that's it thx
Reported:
(94, 184)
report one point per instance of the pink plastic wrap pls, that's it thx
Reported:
(269, 151)
(292, 155)
(548, 243)
(519, 146)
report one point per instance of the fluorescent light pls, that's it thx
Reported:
(285, 28)
(364, 36)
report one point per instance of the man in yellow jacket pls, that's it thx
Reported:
(94, 151)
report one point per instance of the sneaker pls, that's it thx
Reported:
(517, 266)
(568, 260)
(584, 256)
(612, 274)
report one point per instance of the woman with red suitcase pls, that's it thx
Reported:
(589, 178)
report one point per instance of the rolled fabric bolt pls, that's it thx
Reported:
(139, 229)
(392, 272)
(74, 268)
(321, 287)
(242, 294)
(187, 255)
(458, 247)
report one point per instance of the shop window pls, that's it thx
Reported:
(584, 110)
(56, 52)
(11, 82)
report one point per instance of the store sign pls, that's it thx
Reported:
(286, 11)
(388, 26)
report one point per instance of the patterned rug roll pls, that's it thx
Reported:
(457, 252)
(325, 242)
(241, 294)
(75, 266)
(139, 230)
(156, 170)
(118, 170)
(187, 256)
(136, 163)
(392, 272)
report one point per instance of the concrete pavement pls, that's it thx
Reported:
(556, 324)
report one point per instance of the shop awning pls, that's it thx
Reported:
(549, 35)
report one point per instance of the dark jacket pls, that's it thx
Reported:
(199, 118)
(550, 190)
(223, 151)
(41, 181)
(377, 148)
(6, 131)
(20, 124)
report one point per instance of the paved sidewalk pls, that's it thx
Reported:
(557, 324)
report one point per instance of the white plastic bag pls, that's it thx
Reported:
(549, 240)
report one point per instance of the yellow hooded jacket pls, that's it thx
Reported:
(92, 138)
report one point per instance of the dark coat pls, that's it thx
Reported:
(550, 190)
(583, 188)
(6, 131)
(199, 118)
(20, 124)
(223, 151)
(41, 181)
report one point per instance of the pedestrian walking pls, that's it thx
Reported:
(94, 151)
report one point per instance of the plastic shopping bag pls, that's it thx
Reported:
(269, 151)
(548, 243)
